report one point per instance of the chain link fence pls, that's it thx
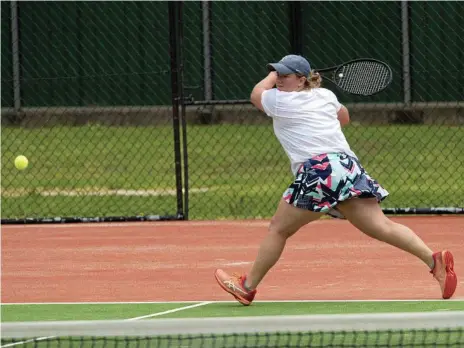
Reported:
(86, 94)
(88, 90)
(409, 137)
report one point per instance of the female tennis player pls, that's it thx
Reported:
(329, 178)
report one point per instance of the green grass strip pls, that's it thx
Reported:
(220, 309)
(235, 171)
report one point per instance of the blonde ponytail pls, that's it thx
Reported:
(314, 80)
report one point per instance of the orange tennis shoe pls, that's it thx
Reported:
(443, 272)
(235, 285)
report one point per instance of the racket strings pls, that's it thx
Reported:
(364, 77)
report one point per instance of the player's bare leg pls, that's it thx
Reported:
(367, 216)
(285, 222)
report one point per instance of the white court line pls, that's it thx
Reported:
(171, 311)
(27, 341)
(240, 263)
(130, 319)
(212, 302)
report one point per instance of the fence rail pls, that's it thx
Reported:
(140, 111)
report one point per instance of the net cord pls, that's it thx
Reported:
(231, 325)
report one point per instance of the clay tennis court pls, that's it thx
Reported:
(175, 261)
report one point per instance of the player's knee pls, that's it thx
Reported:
(278, 226)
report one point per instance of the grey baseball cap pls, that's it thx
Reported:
(291, 64)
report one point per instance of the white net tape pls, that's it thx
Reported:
(260, 324)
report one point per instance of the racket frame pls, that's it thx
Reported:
(337, 68)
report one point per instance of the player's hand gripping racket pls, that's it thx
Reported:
(363, 76)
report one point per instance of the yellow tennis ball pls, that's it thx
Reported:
(21, 162)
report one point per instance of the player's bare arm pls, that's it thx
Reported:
(343, 116)
(267, 83)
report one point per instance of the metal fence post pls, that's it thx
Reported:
(175, 90)
(180, 36)
(406, 52)
(15, 53)
(206, 25)
(296, 27)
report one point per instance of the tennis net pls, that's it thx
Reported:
(437, 329)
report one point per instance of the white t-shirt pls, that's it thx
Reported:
(306, 123)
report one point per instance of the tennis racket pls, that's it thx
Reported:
(364, 76)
